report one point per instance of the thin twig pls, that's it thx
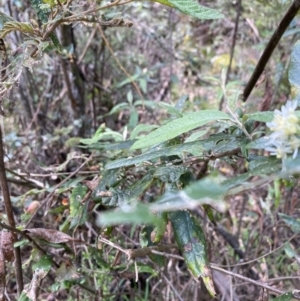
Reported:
(234, 37)
(87, 45)
(24, 234)
(172, 286)
(258, 283)
(44, 202)
(10, 217)
(263, 256)
(118, 62)
(283, 25)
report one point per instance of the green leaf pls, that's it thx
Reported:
(102, 133)
(181, 102)
(195, 136)
(198, 193)
(292, 166)
(152, 154)
(289, 251)
(146, 241)
(133, 120)
(266, 116)
(43, 12)
(21, 243)
(164, 2)
(292, 222)
(118, 197)
(109, 146)
(191, 241)
(170, 173)
(118, 108)
(44, 263)
(5, 18)
(215, 144)
(24, 27)
(205, 188)
(179, 126)
(142, 128)
(192, 8)
(260, 143)
(78, 210)
(77, 196)
(159, 230)
(170, 109)
(284, 297)
(294, 69)
(232, 99)
(23, 297)
(130, 214)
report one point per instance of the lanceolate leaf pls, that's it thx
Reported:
(294, 70)
(191, 242)
(167, 151)
(192, 8)
(8, 27)
(198, 193)
(213, 145)
(135, 214)
(179, 126)
(266, 116)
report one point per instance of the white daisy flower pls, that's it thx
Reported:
(285, 137)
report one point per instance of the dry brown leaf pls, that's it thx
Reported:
(7, 246)
(31, 289)
(52, 236)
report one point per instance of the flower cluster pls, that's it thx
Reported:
(285, 138)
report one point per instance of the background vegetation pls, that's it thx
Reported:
(135, 164)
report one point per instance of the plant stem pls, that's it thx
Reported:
(283, 25)
(10, 217)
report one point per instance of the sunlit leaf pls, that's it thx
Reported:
(192, 8)
(44, 263)
(24, 27)
(131, 214)
(261, 116)
(179, 126)
(214, 144)
(266, 116)
(201, 192)
(260, 143)
(195, 136)
(294, 69)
